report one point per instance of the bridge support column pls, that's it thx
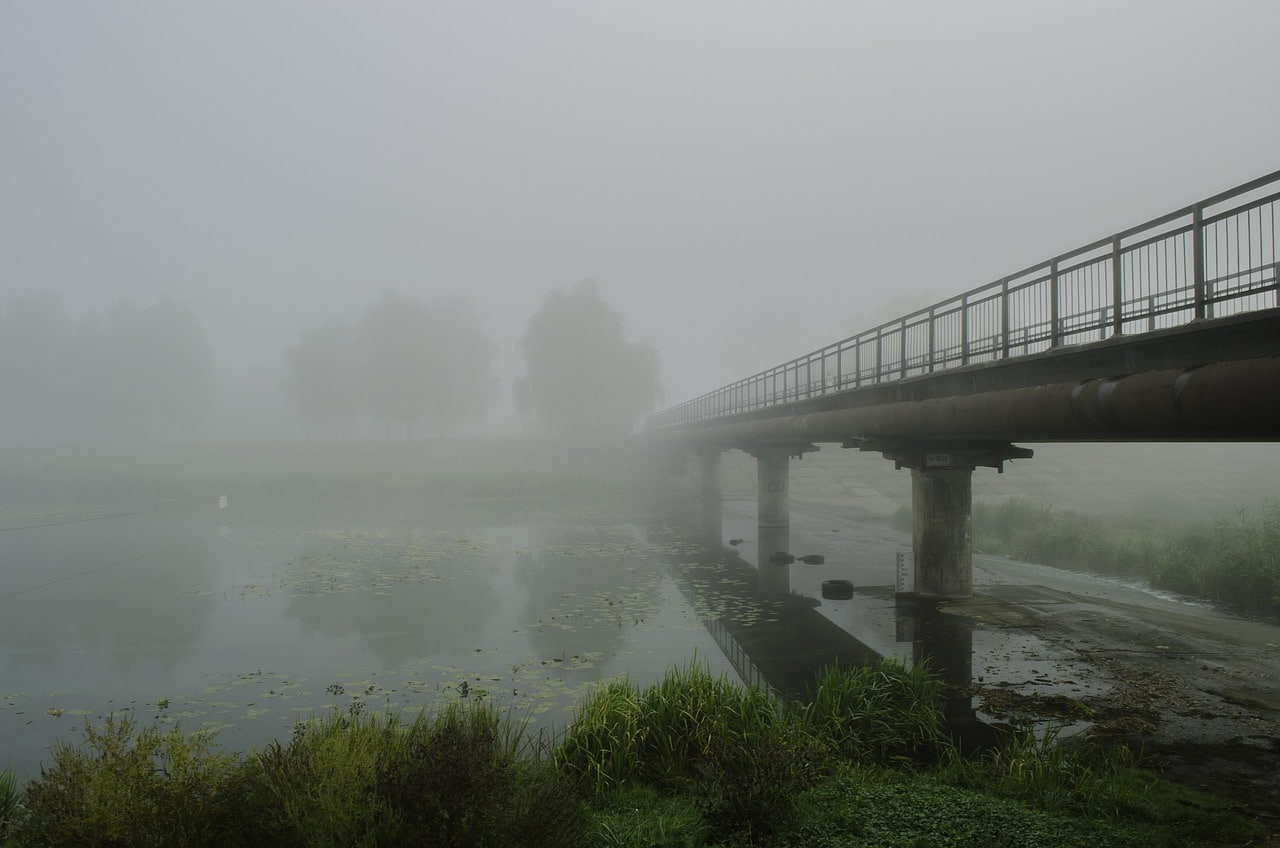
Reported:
(773, 492)
(942, 531)
(708, 472)
(942, 506)
(773, 484)
(774, 577)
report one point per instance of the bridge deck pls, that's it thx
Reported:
(1186, 307)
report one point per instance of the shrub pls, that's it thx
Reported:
(465, 777)
(318, 789)
(127, 785)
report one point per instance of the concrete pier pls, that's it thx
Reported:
(708, 472)
(942, 531)
(774, 577)
(942, 506)
(773, 480)
(773, 490)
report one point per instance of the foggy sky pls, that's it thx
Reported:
(747, 181)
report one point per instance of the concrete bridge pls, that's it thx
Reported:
(1167, 331)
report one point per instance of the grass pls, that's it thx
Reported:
(1235, 561)
(884, 714)
(692, 760)
(10, 795)
(730, 748)
(1086, 780)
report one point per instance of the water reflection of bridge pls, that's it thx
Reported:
(779, 640)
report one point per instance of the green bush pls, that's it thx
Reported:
(127, 785)
(464, 777)
(318, 788)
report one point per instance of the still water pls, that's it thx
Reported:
(279, 607)
(218, 619)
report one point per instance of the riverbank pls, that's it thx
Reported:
(691, 760)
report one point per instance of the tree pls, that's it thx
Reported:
(132, 372)
(582, 376)
(402, 362)
(396, 353)
(322, 374)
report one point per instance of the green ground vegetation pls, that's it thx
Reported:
(1234, 561)
(691, 760)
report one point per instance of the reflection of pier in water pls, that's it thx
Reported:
(785, 647)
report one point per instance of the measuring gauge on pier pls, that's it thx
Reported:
(906, 572)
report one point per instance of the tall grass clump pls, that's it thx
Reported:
(730, 747)
(126, 785)
(1237, 562)
(10, 797)
(880, 714)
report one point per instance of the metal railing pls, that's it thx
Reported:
(1214, 258)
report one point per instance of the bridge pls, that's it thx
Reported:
(1166, 331)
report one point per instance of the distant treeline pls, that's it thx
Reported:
(130, 371)
(147, 372)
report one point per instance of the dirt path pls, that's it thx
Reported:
(1196, 689)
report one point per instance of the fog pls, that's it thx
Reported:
(744, 182)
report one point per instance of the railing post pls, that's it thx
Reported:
(931, 341)
(902, 350)
(1055, 331)
(857, 357)
(964, 330)
(1197, 253)
(1004, 318)
(1117, 289)
(879, 353)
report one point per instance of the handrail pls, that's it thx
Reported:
(1138, 280)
